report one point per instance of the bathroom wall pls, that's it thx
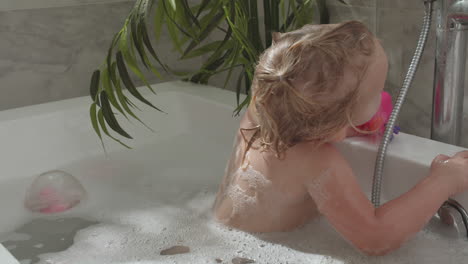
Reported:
(49, 48)
(397, 24)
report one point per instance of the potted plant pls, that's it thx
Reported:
(189, 26)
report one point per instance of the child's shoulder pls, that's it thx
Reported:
(322, 157)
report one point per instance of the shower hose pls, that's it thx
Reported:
(380, 160)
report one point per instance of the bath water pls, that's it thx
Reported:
(141, 203)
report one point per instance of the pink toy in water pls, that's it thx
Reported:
(54, 192)
(380, 119)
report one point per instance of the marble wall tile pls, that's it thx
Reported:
(354, 2)
(49, 54)
(401, 4)
(397, 25)
(7, 5)
(340, 13)
(398, 30)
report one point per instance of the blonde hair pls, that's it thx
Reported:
(297, 90)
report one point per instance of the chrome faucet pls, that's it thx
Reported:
(449, 76)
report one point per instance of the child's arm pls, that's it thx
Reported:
(379, 231)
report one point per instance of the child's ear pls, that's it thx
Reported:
(275, 36)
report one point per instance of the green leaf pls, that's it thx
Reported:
(253, 26)
(210, 47)
(174, 23)
(283, 13)
(136, 40)
(115, 40)
(188, 12)
(93, 88)
(158, 20)
(172, 30)
(138, 35)
(267, 21)
(244, 103)
(323, 11)
(205, 31)
(305, 14)
(203, 5)
(239, 87)
(208, 69)
(106, 83)
(275, 9)
(128, 82)
(173, 4)
(104, 128)
(241, 37)
(109, 116)
(147, 42)
(131, 60)
(231, 62)
(94, 122)
(124, 101)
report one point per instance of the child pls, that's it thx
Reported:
(311, 88)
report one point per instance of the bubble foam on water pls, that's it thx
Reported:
(137, 232)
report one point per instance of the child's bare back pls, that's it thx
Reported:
(263, 193)
(312, 88)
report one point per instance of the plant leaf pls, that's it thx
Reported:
(104, 128)
(241, 37)
(93, 88)
(147, 42)
(94, 122)
(136, 40)
(158, 20)
(188, 13)
(323, 11)
(128, 82)
(109, 116)
(210, 47)
(174, 23)
(239, 87)
(234, 59)
(214, 22)
(253, 26)
(106, 83)
(203, 5)
(173, 4)
(130, 59)
(267, 22)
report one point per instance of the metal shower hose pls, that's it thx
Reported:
(380, 160)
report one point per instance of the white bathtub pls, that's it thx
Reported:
(159, 194)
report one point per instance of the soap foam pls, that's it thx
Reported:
(137, 233)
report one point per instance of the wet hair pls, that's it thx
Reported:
(298, 93)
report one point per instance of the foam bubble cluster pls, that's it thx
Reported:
(138, 232)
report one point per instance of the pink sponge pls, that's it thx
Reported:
(378, 121)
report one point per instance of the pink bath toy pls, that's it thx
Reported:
(54, 192)
(380, 119)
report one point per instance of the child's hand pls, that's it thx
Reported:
(452, 170)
